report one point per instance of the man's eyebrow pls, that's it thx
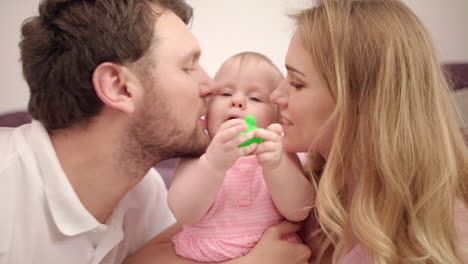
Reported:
(192, 56)
(290, 68)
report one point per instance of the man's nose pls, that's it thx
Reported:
(207, 87)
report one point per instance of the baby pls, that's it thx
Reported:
(226, 198)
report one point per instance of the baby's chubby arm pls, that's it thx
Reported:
(290, 190)
(196, 181)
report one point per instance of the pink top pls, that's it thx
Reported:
(358, 256)
(243, 209)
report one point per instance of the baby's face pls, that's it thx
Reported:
(243, 89)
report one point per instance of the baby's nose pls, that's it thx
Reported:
(237, 104)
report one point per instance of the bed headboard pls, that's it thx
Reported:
(458, 73)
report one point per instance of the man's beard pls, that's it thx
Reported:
(153, 136)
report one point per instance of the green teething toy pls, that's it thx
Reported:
(250, 122)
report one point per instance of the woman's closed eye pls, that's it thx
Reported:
(296, 85)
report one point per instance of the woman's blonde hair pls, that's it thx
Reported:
(398, 161)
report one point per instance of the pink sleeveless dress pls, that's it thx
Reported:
(243, 209)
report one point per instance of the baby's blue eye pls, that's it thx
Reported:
(255, 99)
(226, 94)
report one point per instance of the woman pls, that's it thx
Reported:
(366, 97)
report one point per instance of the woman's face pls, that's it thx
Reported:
(305, 103)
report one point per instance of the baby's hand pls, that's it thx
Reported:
(270, 152)
(223, 152)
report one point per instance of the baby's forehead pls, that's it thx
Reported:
(250, 64)
(246, 61)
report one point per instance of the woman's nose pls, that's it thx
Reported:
(279, 96)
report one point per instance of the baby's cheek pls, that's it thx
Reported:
(270, 116)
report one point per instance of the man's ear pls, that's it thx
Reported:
(112, 86)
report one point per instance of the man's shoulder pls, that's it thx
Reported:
(6, 137)
(11, 170)
(146, 211)
(10, 142)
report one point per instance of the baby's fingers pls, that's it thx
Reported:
(277, 128)
(239, 139)
(267, 135)
(231, 132)
(247, 150)
(267, 146)
(231, 123)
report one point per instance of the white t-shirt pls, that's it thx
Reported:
(43, 221)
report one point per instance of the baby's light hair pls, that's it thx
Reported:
(246, 56)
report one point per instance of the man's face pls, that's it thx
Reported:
(168, 120)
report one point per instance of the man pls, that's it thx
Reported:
(115, 87)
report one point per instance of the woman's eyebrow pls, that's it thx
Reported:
(290, 68)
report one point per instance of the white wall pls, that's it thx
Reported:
(14, 93)
(447, 21)
(225, 27)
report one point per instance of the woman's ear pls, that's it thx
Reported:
(112, 85)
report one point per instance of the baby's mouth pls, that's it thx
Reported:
(231, 117)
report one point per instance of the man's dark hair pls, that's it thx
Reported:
(61, 48)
